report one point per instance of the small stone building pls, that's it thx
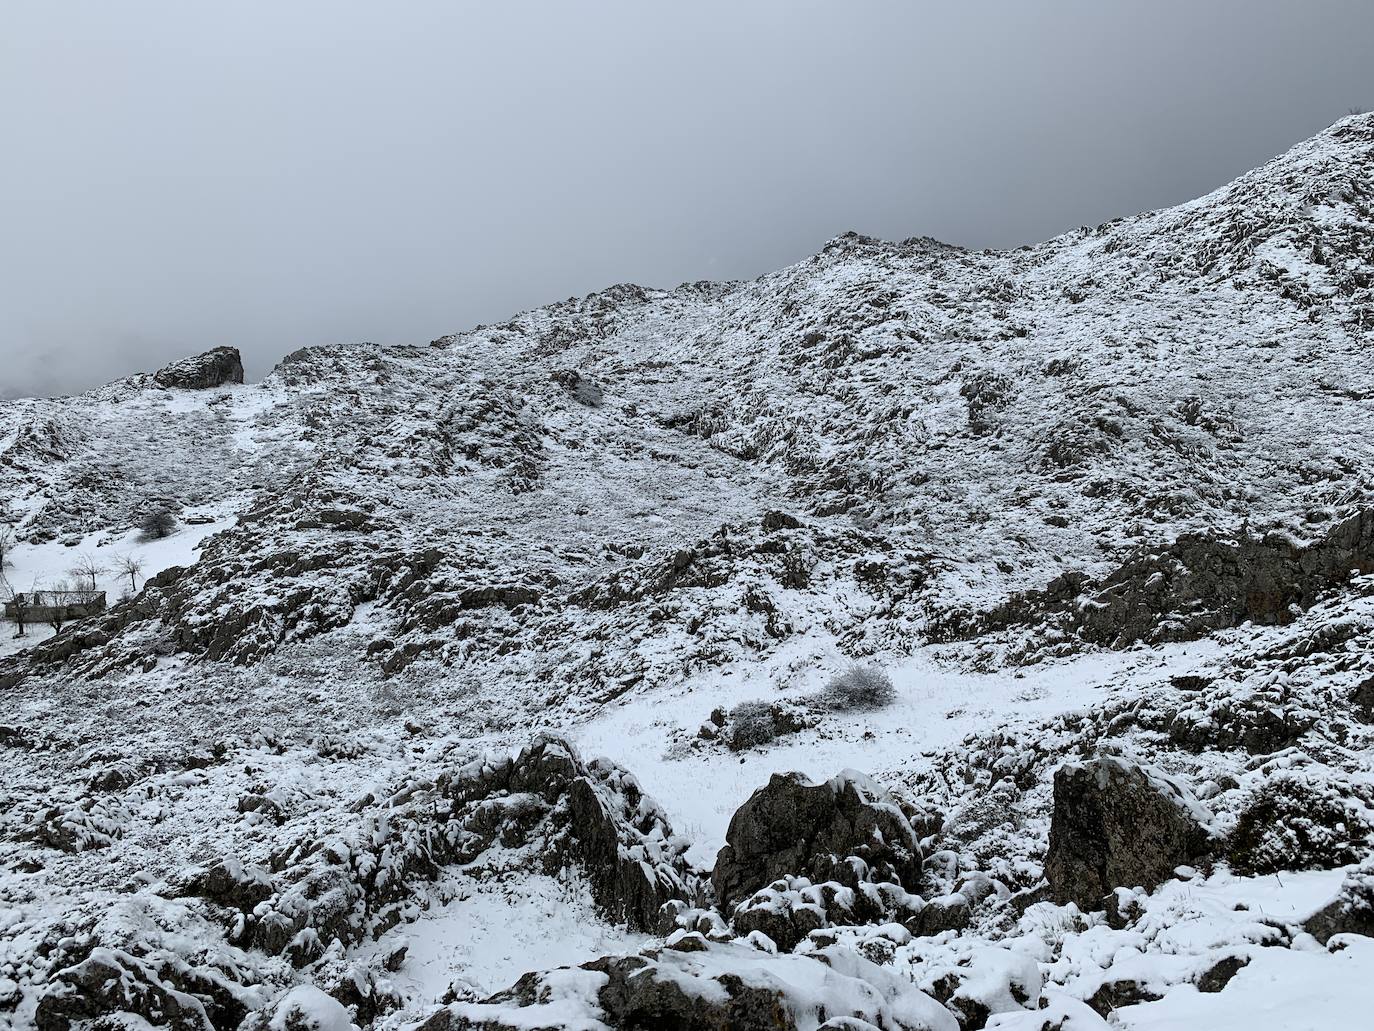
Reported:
(39, 606)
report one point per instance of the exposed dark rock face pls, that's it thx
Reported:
(1198, 584)
(229, 883)
(1201, 584)
(110, 981)
(583, 390)
(1216, 977)
(1116, 825)
(1118, 993)
(945, 913)
(1362, 701)
(213, 368)
(792, 826)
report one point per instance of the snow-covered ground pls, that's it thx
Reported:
(1280, 990)
(490, 934)
(46, 566)
(937, 705)
(614, 515)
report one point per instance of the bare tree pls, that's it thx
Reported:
(157, 522)
(8, 593)
(58, 598)
(6, 542)
(127, 565)
(87, 569)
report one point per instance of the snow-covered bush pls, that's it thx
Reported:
(1296, 822)
(157, 523)
(750, 724)
(858, 687)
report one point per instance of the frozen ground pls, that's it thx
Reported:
(490, 934)
(937, 705)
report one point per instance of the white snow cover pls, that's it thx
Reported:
(622, 516)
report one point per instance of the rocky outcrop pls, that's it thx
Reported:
(545, 809)
(1261, 719)
(1196, 585)
(213, 368)
(1201, 583)
(1117, 824)
(583, 390)
(79, 826)
(693, 985)
(110, 981)
(791, 908)
(303, 1008)
(792, 826)
(1351, 911)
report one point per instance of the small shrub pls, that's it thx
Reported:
(857, 688)
(1291, 822)
(750, 724)
(157, 523)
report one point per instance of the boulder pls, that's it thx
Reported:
(304, 1008)
(213, 368)
(583, 390)
(793, 826)
(1117, 824)
(709, 986)
(110, 981)
(1351, 911)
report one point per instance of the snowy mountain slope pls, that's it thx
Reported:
(956, 425)
(618, 514)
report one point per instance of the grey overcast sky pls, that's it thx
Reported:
(184, 174)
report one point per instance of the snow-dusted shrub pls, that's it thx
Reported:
(985, 811)
(858, 687)
(157, 523)
(750, 724)
(1297, 822)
